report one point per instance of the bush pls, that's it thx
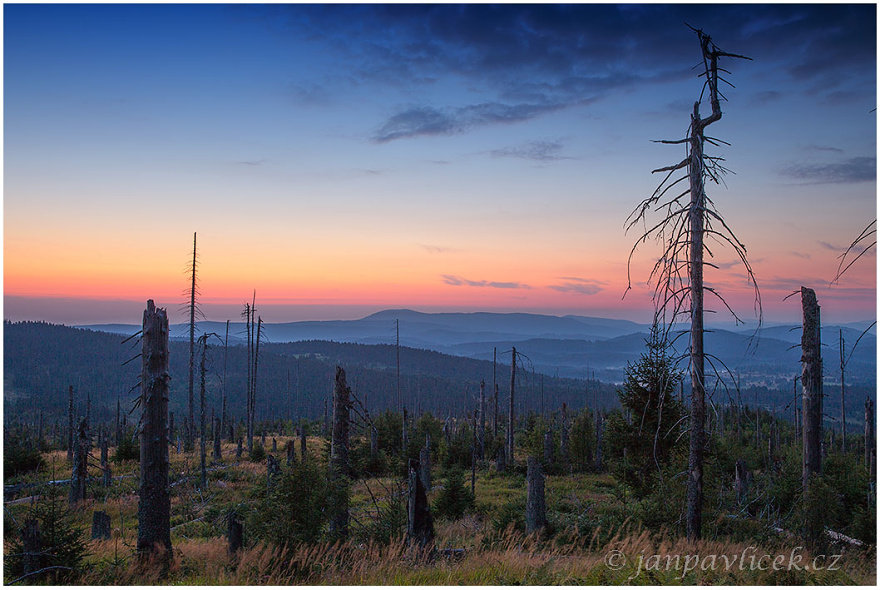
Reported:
(19, 457)
(258, 454)
(129, 448)
(454, 500)
(296, 508)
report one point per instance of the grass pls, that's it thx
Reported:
(591, 523)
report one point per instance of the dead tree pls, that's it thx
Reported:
(425, 463)
(374, 444)
(218, 428)
(536, 508)
(842, 397)
(510, 413)
(80, 465)
(811, 381)
(420, 524)
(870, 442)
(189, 442)
(495, 392)
(70, 424)
(563, 441)
(291, 452)
(687, 220)
(339, 466)
(223, 420)
(599, 433)
(203, 435)
(481, 431)
(154, 499)
(105, 464)
(741, 481)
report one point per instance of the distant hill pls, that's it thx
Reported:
(568, 346)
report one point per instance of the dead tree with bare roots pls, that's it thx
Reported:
(687, 219)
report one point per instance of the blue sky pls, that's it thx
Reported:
(343, 158)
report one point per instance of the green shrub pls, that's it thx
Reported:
(63, 547)
(454, 500)
(19, 457)
(258, 454)
(129, 448)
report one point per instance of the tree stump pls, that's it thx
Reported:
(218, 453)
(32, 546)
(238, 449)
(274, 445)
(536, 508)
(741, 481)
(154, 503)
(420, 524)
(80, 466)
(500, 462)
(291, 452)
(272, 470)
(234, 533)
(100, 525)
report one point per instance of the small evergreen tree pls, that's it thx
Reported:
(455, 498)
(649, 436)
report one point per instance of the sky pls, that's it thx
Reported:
(343, 159)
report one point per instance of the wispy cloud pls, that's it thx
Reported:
(579, 286)
(861, 169)
(436, 249)
(462, 282)
(425, 120)
(540, 151)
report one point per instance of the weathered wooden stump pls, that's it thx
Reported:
(425, 467)
(302, 443)
(234, 533)
(741, 481)
(100, 525)
(548, 449)
(238, 449)
(272, 470)
(420, 524)
(291, 452)
(32, 546)
(274, 445)
(536, 508)
(154, 500)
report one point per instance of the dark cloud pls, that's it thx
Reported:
(541, 151)
(461, 282)
(861, 169)
(418, 121)
(563, 54)
(579, 286)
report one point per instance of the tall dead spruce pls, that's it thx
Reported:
(687, 220)
(154, 499)
(339, 466)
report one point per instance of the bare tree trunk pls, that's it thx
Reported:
(273, 470)
(495, 392)
(563, 441)
(870, 438)
(189, 442)
(203, 435)
(481, 430)
(80, 466)
(254, 382)
(374, 444)
(599, 426)
(511, 419)
(842, 397)
(698, 381)
(105, 464)
(154, 504)
(70, 424)
(741, 481)
(536, 510)
(339, 466)
(548, 449)
(420, 525)
(223, 417)
(218, 429)
(811, 381)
